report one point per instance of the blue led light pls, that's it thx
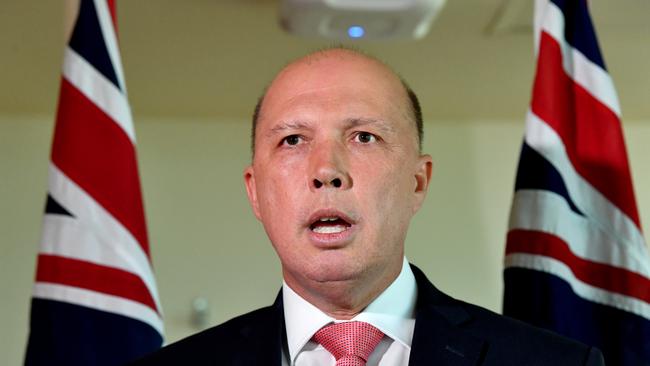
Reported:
(356, 31)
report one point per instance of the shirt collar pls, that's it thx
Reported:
(392, 312)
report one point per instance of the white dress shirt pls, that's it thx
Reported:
(392, 312)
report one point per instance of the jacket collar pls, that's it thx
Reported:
(265, 338)
(439, 337)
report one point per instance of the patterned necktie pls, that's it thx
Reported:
(351, 343)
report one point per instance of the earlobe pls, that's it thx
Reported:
(251, 189)
(423, 172)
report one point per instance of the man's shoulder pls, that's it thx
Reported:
(512, 339)
(486, 323)
(214, 345)
(497, 339)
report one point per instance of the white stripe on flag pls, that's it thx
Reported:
(549, 212)
(589, 200)
(584, 290)
(101, 91)
(93, 219)
(538, 18)
(68, 237)
(99, 301)
(578, 67)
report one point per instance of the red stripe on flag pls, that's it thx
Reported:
(93, 151)
(591, 132)
(600, 275)
(94, 277)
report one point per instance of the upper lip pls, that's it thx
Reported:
(323, 213)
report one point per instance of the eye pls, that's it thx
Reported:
(365, 137)
(291, 140)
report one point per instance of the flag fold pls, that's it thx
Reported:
(576, 261)
(95, 300)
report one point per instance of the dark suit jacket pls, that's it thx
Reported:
(447, 332)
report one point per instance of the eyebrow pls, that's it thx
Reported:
(348, 124)
(284, 126)
(381, 124)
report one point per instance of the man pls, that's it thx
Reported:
(337, 175)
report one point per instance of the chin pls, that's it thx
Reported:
(334, 269)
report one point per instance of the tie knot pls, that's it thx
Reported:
(351, 343)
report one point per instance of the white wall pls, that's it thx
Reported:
(205, 241)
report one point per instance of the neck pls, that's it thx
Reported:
(343, 300)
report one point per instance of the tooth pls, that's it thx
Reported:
(330, 229)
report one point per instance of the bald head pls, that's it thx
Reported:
(339, 63)
(337, 137)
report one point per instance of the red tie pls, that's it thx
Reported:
(351, 343)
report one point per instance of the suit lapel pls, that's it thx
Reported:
(439, 338)
(264, 339)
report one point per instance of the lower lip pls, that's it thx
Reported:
(331, 240)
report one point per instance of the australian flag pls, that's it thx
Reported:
(95, 300)
(576, 260)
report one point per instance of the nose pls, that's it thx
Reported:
(329, 168)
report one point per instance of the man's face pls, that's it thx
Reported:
(336, 174)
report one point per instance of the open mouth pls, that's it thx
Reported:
(330, 225)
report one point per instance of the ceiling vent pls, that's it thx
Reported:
(359, 19)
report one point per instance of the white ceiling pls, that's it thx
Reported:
(211, 58)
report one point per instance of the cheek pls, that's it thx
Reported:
(279, 180)
(387, 196)
(280, 196)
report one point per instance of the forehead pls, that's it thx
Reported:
(335, 82)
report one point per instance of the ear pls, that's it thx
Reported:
(251, 189)
(423, 169)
